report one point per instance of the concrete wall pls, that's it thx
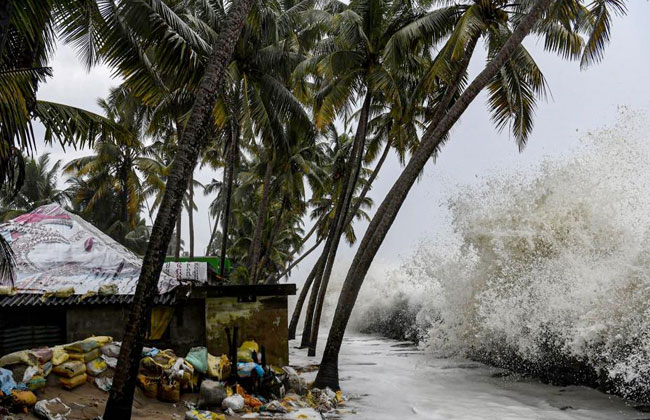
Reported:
(185, 330)
(264, 321)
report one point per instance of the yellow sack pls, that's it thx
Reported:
(75, 381)
(64, 292)
(102, 340)
(85, 357)
(59, 356)
(108, 289)
(218, 367)
(7, 291)
(203, 415)
(70, 369)
(23, 398)
(169, 392)
(19, 357)
(96, 367)
(149, 385)
(244, 354)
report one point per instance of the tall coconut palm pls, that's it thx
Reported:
(509, 74)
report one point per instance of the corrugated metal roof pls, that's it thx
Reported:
(33, 299)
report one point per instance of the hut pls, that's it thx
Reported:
(74, 281)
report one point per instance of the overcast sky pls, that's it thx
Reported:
(580, 101)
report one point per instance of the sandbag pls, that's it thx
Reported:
(70, 369)
(22, 398)
(102, 340)
(37, 382)
(96, 367)
(111, 349)
(83, 346)
(75, 381)
(108, 289)
(46, 368)
(169, 391)
(59, 356)
(203, 415)
(218, 367)
(18, 357)
(53, 409)
(43, 354)
(85, 357)
(149, 385)
(211, 394)
(198, 357)
(64, 292)
(7, 291)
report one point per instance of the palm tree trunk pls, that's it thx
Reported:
(274, 231)
(256, 243)
(273, 280)
(381, 222)
(229, 176)
(339, 227)
(301, 301)
(190, 215)
(120, 401)
(311, 304)
(177, 250)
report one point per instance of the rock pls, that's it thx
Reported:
(235, 402)
(211, 394)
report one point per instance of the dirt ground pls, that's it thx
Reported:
(87, 402)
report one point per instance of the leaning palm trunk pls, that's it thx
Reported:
(120, 401)
(339, 225)
(316, 271)
(256, 243)
(229, 175)
(383, 219)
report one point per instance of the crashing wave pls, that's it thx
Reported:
(547, 272)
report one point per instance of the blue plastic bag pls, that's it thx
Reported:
(198, 357)
(7, 383)
(245, 369)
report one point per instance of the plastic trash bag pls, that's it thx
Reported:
(198, 357)
(7, 383)
(245, 370)
(234, 402)
(104, 384)
(218, 367)
(53, 409)
(245, 351)
(111, 349)
(203, 415)
(43, 354)
(211, 394)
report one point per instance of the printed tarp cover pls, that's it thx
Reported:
(56, 249)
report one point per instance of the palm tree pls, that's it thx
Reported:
(38, 188)
(193, 138)
(510, 75)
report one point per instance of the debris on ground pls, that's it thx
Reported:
(29, 380)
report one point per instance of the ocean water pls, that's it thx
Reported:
(546, 271)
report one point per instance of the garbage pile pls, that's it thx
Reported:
(26, 371)
(248, 388)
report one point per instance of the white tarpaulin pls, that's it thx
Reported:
(56, 249)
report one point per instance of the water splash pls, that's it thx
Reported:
(547, 271)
